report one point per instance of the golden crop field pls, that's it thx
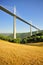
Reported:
(19, 54)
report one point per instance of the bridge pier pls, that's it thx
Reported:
(30, 30)
(14, 24)
(14, 28)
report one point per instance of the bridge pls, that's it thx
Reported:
(15, 16)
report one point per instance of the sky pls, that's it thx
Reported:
(29, 10)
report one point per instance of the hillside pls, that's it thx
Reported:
(21, 35)
(18, 54)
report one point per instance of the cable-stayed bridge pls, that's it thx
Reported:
(14, 24)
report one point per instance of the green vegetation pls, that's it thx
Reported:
(23, 37)
(10, 39)
(34, 38)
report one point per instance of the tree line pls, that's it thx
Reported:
(29, 39)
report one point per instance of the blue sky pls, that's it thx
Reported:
(29, 10)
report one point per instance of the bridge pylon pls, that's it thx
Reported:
(14, 24)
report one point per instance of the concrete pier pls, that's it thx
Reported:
(14, 24)
(30, 28)
(14, 27)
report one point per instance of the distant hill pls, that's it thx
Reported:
(21, 35)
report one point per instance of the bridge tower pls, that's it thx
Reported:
(30, 28)
(14, 24)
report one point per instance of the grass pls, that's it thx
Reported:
(18, 54)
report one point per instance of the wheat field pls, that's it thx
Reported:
(19, 54)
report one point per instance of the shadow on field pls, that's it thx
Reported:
(36, 44)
